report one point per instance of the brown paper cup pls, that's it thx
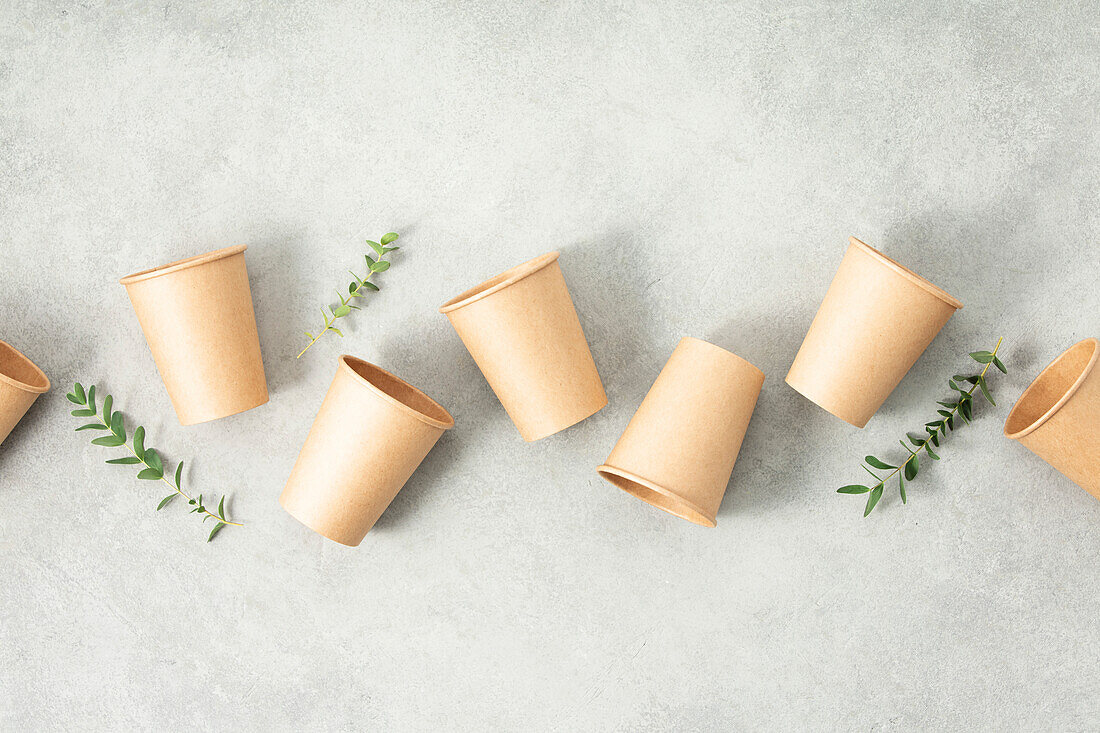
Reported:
(1058, 417)
(523, 332)
(678, 451)
(20, 384)
(371, 433)
(197, 317)
(876, 319)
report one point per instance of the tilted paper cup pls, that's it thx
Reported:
(876, 319)
(1058, 416)
(197, 317)
(20, 384)
(523, 332)
(372, 431)
(678, 451)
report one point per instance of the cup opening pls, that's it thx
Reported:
(20, 371)
(501, 281)
(400, 392)
(655, 495)
(1052, 388)
(913, 277)
(183, 264)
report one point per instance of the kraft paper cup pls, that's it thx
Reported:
(523, 332)
(876, 319)
(1058, 417)
(20, 384)
(678, 451)
(197, 317)
(372, 431)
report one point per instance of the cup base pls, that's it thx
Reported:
(823, 404)
(308, 525)
(220, 415)
(656, 495)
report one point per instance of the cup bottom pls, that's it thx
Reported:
(656, 495)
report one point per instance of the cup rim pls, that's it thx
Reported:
(193, 261)
(904, 271)
(499, 282)
(1064, 398)
(345, 363)
(677, 505)
(32, 388)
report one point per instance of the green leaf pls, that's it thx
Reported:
(111, 441)
(179, 473)
(341, 311)
(949, 405)
(125, 461)
(118, 427)
(164, 502)
(376, 247)
(901, 488)
(139, 442)
(108, 402)
(944, 413)
(853, 489)
(876, 463)
(217, 528)
(83, 413)
(876, 494)
(929, 451)
(370, 262)
(74, 399)
(935, 438)
(336, 331)
(1000, 365)
(380, 266)
(985, 391)
(152, 459)
(390, 237)
(352, 288)
(221, 507)
(370, 286)
(91, 398)
(917, 442)
(912, 466)
(387, 250)
(149, 474)
(78, 390)
(91, 426)
(966, 411)
(982, 357)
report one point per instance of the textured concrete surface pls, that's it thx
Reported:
(700, 165)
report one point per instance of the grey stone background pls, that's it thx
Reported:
(700, 166)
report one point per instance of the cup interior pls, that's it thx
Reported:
(1052, 388)
(401, 392)
(20, 370)
(655, 495)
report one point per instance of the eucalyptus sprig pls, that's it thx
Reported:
(961, 406)
(113, 422)
(355, 290)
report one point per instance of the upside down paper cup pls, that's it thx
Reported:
(20, 384)
(1058, 417)
(524, 334)
(198, 320)
(372, 431)
(679, 449)
(876, 319)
